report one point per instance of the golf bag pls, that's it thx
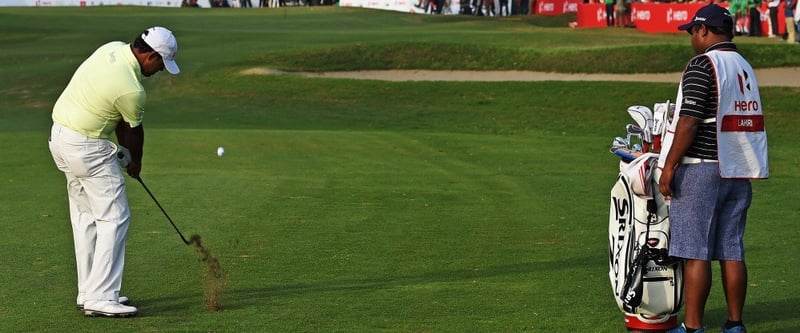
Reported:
(646, 282)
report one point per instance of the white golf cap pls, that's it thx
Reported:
(163, 41)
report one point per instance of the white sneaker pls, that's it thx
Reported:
(108, 309)
(122, 300)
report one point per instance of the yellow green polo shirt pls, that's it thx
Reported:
(105, 88)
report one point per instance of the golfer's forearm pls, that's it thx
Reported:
(131, 138)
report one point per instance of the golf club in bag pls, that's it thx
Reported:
(647, 283)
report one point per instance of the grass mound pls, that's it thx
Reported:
(656, 58)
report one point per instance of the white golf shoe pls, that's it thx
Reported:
(122, 300)
(108, 309)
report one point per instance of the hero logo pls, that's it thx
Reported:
(601, 15)
(546, 7)
(677, 15)
(570, 7)
(745, 106)
(621, 209)
(744, 81)
(641, 15)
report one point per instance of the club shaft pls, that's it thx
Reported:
(162, 210)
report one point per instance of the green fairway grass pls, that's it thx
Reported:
(364, 206)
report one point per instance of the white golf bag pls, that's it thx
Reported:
(647, 283)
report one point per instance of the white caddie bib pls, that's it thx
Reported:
(741, 137)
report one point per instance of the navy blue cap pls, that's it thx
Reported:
(711, 16)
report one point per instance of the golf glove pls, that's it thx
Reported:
(123, 157)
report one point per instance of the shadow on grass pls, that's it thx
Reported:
(766, 312)
(257, 297)
(242, 298)
(771, 314)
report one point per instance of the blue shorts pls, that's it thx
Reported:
(707, 214)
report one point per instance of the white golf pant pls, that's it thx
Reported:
(98, 208)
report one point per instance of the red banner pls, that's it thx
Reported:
(556, 7)
(660, 17)
(591, 15)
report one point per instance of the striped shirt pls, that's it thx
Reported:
(700, 101)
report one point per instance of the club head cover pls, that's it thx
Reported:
(660, 117)
(642, 115)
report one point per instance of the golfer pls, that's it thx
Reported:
(105, 95)
(715, 143)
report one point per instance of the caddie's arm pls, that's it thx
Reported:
(685, 131)
(133, 139)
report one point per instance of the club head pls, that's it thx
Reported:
(619, 143)
(633, 129)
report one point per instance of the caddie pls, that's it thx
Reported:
(105, 95)
(714, 144)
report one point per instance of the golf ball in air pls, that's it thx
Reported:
(220, 151)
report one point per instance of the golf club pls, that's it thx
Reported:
(619, 142)
(645, 119)
(633, 130)
(644, 135)
(162, 210)
(661, 112)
